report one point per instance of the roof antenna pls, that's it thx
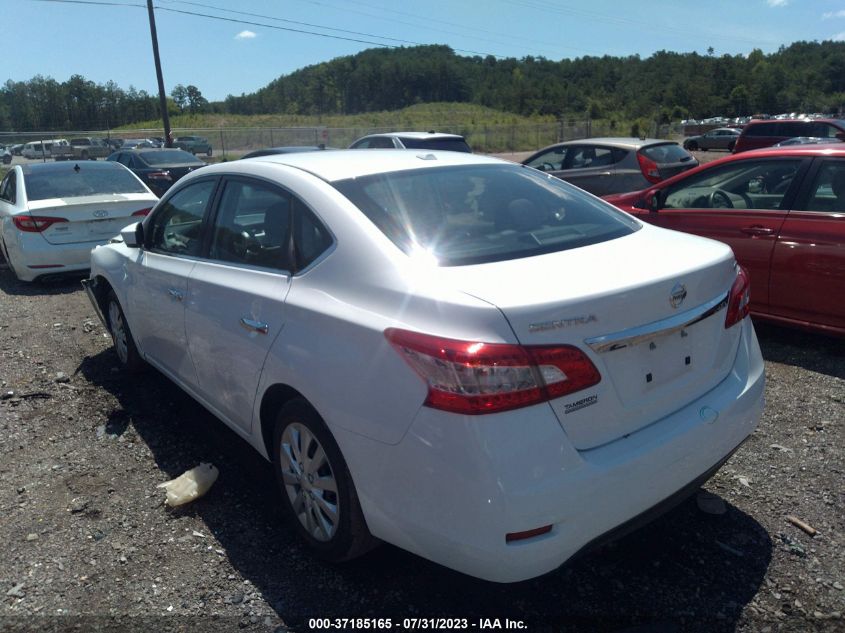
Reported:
(76, 168)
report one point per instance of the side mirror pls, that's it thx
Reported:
(133, 235)
(653, 199)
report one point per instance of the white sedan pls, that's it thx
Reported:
(464, 357)
(53, 214)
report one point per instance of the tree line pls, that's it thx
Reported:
(805, 76)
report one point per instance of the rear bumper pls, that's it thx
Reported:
(32, 256)
(471, 481)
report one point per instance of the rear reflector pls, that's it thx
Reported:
(649, 168)
(739, 298)
(521, 536)
(474, 378)
(34, 223)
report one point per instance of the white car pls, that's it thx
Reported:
(464, 357)
(52, 215)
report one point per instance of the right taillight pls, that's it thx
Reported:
(474, 378)
(738, 299)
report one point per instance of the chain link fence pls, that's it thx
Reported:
(231, 143)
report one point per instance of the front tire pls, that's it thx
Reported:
(124, 343)
(208, 152)
(318, 493)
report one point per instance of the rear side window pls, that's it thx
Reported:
(762, 129)
(827, 192)
(76, 181)
(8, 187)
(581, 157)
(448, 144)
(483, 213)
(666, 153)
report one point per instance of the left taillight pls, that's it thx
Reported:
(650, 170)
(739, 298)
(142, 212)
(35, 223)
(473, 378)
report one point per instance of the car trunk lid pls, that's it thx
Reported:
(648, 309)
(90, 218)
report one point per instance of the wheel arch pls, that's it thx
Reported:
(275, 397)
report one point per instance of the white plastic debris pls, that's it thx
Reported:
(190, 485)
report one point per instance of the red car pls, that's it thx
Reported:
(782, 210)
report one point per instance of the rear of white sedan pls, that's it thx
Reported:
(53, 214)
(476, 362)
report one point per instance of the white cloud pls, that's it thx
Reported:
(833, 14)
(777, 3)
(839, 37)
(245, 35)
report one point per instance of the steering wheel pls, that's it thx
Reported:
(720, 200)
(244, 243)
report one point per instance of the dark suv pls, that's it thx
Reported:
(757, 134)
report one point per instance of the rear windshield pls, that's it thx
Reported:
(73, 183)
(449, 144)
(666, 153)
(173, 157)
(483, 213)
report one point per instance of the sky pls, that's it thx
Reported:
(238, 47)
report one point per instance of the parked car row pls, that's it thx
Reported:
(766, 133)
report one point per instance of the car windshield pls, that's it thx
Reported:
(483, 213)
(73, 182)
(449, 144)
(170, 157)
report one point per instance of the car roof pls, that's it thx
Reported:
(621, 142)
(416, 135)
(55, 168)
(829, 149)
(354, 163)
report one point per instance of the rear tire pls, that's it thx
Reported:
(124, 343)
(318, 493)
(693, 147)
(208, 152)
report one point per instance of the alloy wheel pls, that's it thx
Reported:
(309, 482)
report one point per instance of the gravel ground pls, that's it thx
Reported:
(87, 544)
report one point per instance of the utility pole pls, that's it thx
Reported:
(168, 139)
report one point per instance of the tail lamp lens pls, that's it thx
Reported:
(475, 378)
(159, 175)
(738, 299)
(650, 170)
(35, 223)
(142, 212)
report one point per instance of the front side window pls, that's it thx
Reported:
(252, 226)
(827, 192)
(175, 229)
(747, 184)
(483, 213)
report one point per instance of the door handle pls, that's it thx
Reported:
(605, 173)
(176, 294)
(254, 326)
(756, 230)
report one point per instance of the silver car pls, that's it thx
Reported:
(612, 165)
(720, 138)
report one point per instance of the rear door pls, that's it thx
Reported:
(590, 167)
(808, 264)
(742, 203)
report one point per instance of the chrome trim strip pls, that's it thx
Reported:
(643, 333)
